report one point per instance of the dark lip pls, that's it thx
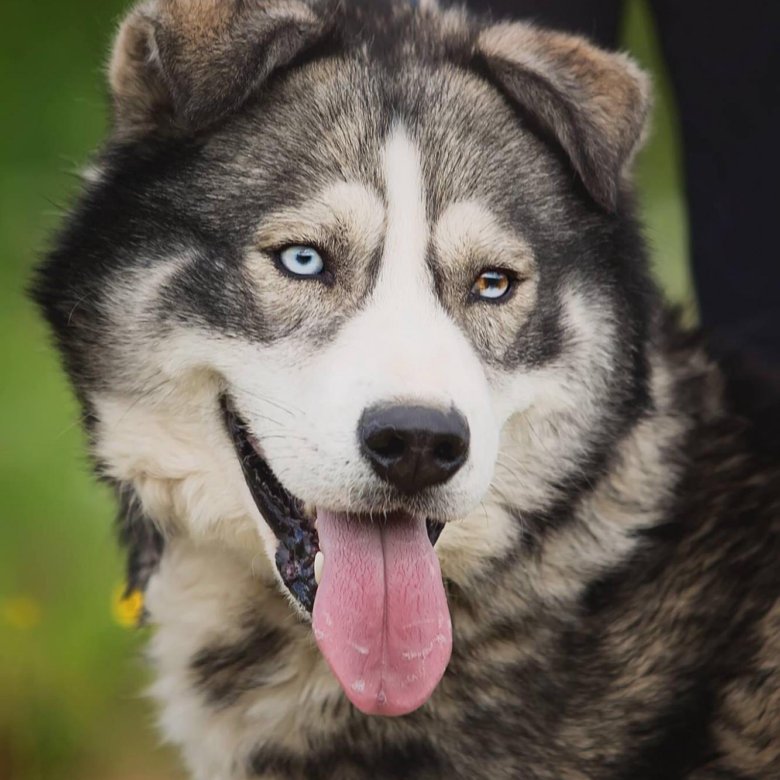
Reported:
(284, 513)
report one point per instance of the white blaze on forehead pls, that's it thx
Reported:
(406, 239)
(410, 339)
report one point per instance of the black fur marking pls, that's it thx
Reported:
(224, 671)
(298, 541)
(142, 540)
(679, 740)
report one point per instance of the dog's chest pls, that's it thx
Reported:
(236, 673)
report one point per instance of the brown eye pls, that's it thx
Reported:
(491, 285)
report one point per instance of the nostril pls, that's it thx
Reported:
(387, 444)
(449, 449)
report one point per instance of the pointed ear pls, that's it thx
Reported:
(594, 103)
(181, 65)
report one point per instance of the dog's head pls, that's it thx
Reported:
(344, 276)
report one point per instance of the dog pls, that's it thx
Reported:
(419, 476)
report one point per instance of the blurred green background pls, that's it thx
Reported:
(71, 674)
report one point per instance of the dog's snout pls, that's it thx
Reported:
(414, 447)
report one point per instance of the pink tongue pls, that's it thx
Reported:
(380, 615)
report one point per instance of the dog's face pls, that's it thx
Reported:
(342, 291)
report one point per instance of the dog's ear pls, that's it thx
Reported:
(181, 65)
(594, 103)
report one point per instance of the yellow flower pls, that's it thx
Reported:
(21, 612)
(127, 608)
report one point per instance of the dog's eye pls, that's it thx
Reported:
(492, 285)
(301, 260)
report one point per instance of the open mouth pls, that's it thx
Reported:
(373, 587)
(293, 526)
(284, 513)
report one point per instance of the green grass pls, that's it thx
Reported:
(69, 680)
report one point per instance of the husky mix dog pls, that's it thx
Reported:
(416, 474)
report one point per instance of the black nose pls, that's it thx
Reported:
(414, 447)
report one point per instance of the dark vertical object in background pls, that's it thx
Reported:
(724, 63)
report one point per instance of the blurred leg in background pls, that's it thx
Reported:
(724, 63)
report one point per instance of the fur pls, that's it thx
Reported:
(610, 546)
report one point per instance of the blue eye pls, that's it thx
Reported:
(491, 285)
(302, 260)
